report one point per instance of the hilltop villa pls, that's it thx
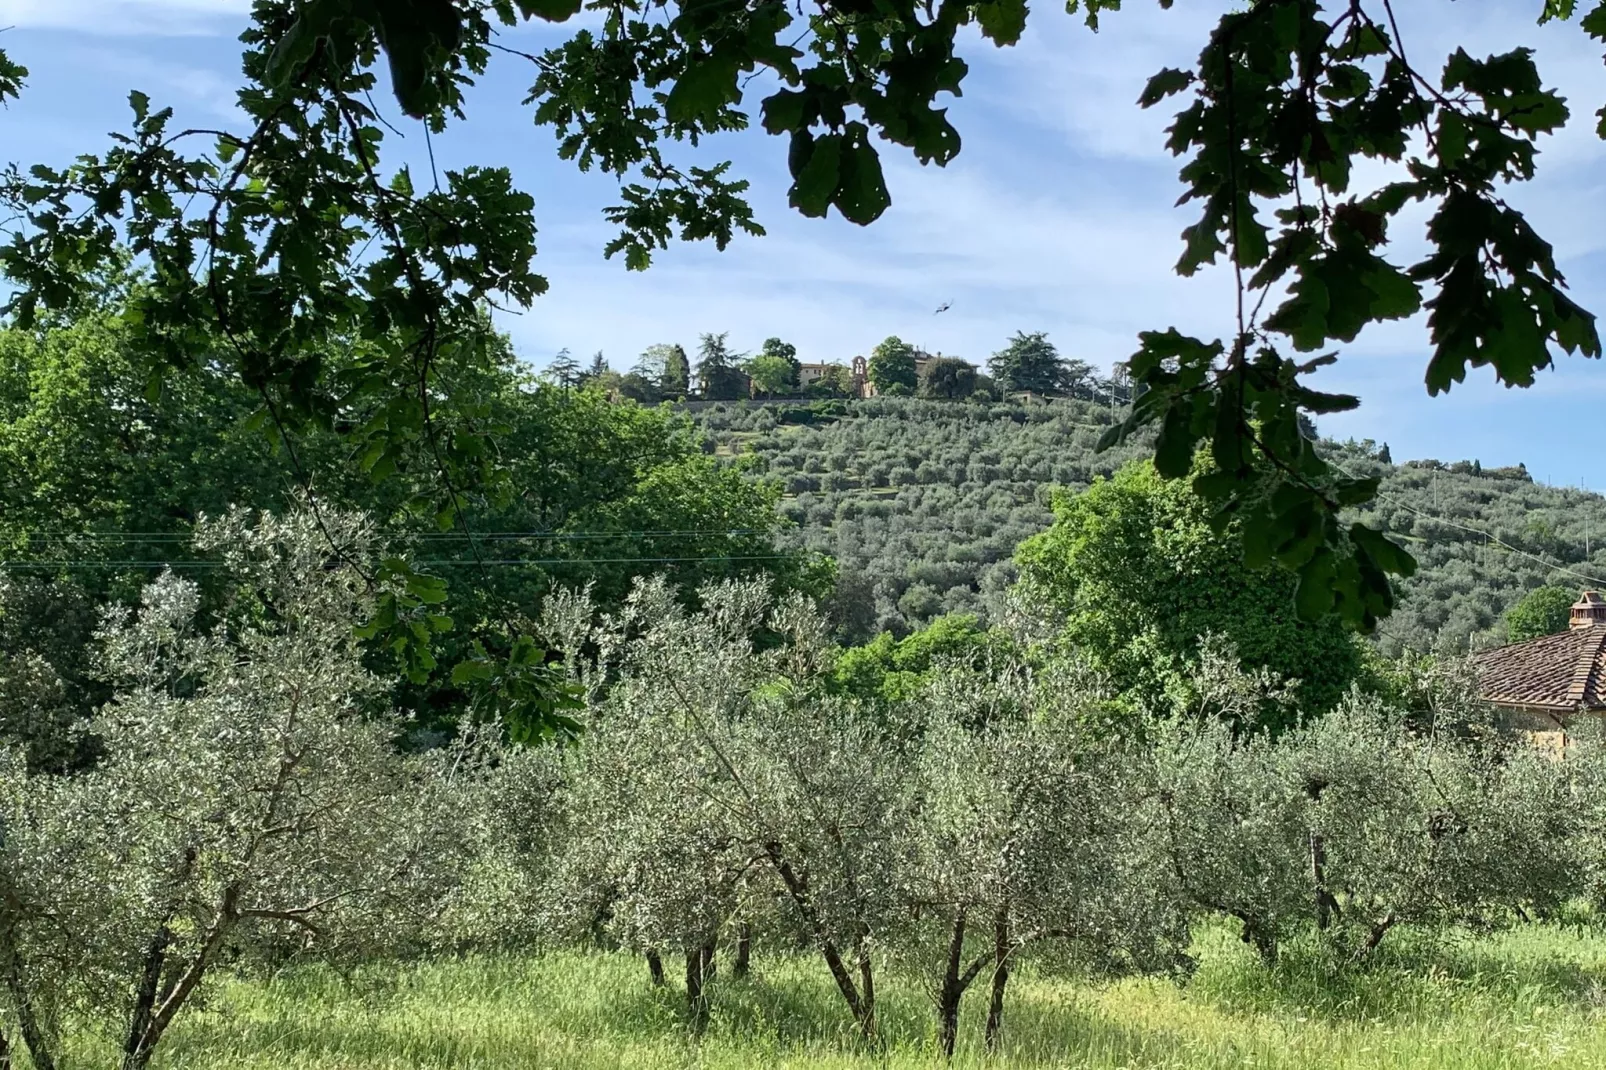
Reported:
(866, 389)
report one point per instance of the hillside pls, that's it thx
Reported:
(922, 504)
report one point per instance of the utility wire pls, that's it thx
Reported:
(1490, 537)
(181, 536)
(509, 562)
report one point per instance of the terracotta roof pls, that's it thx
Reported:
(1562, 672)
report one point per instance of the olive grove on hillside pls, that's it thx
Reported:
(923, 504)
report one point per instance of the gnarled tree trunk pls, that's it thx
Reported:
(1001, 949)
(696, 998)
(146, 995)
(862, 1006)
(151, 1018)
(744, 951)
(710, 964)
(867, 1022)
(952, 990)
(33, 1034)
(1326, 905)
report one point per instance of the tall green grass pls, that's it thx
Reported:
(1534, 997)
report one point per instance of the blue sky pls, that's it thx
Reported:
(1056, 216)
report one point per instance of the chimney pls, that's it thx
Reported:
(1589, 610)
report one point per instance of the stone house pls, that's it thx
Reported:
(866, 389)
(808, 373)
(1544, 685)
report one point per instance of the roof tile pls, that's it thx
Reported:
(1565, 672)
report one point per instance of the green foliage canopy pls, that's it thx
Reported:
(892, 366)
(775, 347)
(103, 481)
(1029, 362)
(718, 377)
(1141, 578)
(771, 374)
(1543, 611)
(889, 670)
(565, 370)
(947, 377)
(677, 373)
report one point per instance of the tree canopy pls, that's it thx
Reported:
(776, 347)
(718, 376)
(771, 374)
(947, 377)
(1029, 362)
(1542, 611)
(892, 366)
(565, 370)
(1141, 579)
(305, 240)
(103, 481)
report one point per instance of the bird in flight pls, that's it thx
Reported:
(944, 307)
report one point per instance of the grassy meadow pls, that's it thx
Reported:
(1532, 997)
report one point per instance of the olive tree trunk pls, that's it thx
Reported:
(655, 967)
(953, 990)
(860, 998)
(1001, 949)
(696, 997)
(33, 1034)
(744, 951)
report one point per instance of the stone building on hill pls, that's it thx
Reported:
(1543, 685)
(809, 373)
(853, 376)
(858, 382)
(866, 389)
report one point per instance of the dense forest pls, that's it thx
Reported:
(923, 503)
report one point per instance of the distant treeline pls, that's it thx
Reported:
(1029, 365)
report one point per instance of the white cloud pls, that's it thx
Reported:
(1064, 78)
(207, 89)
(119, 17)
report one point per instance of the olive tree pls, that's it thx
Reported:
(46, 689)
(1030, 832)
(536, 867)
(45, 951)
(653, 860)
(831, 804)
(248, 791)
(1410, 809)
(1431, 827)
(1235, 833)
(35, 711)
(1585, 765)
(717, 779)
(514, 820)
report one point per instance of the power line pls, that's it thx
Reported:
(440, 562)
(184, 536)
(1490, 537)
